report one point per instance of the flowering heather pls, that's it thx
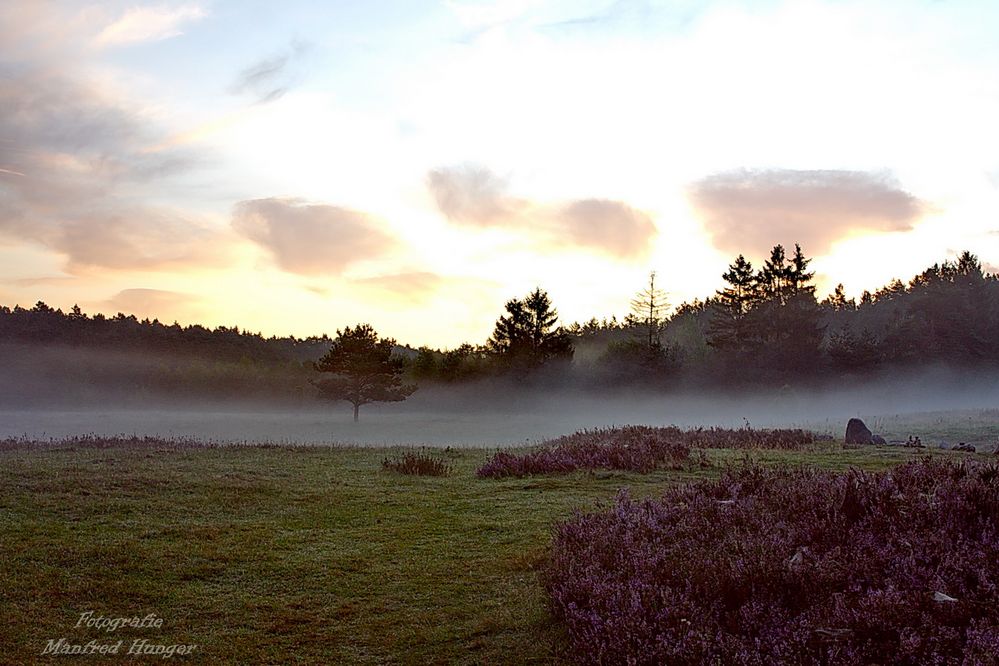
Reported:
(635, 449)
(788, 566)
(744, 438)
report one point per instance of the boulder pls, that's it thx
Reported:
(858, 433)
(879, 440)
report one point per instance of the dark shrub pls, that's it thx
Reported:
(788, 566)
(420, 463)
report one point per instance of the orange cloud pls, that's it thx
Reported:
(751, 210)
(311, 239)
(474, 196)
(152, 303)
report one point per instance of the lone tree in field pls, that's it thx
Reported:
(526, 337)
(363, 369)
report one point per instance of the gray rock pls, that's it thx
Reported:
(858, 433)
(879, 440)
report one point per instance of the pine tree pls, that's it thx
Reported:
(773, 277)
(838, 301)
(798, 276)
(363, 369)
(648, 310)
(729, 324)
(527, 337)
(739, 296)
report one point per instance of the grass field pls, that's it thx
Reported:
(298, 555)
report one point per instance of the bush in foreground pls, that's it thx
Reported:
(788, 566)
(635, 449)
(417, 463)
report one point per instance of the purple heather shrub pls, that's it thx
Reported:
(788, 566)
(635, 449)
(632, 448)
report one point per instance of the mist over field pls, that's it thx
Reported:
(938, 405)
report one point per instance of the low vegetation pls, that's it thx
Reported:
(278, 554)
(419, 463)
(635, 449)
(299, 554)
(788, 565)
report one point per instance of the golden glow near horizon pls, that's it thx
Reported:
(299, 168)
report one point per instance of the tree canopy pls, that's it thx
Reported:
(763, 327)
(767, 323)
(526, 337)
(363, 369)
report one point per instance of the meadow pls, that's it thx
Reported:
(292, 554)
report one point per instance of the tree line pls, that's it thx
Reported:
(42, 324)
(765, 326)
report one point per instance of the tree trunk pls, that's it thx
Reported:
(357, 408)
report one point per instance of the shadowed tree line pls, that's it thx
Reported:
(42, 324)
(55, 356)
(766, 326)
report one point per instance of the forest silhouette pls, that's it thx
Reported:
(764, 328)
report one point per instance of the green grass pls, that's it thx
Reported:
(973, 426)
(298, 555)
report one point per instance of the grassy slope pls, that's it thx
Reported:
(305, 555)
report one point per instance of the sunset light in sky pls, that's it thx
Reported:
(295, 167)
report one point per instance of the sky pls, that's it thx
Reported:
(295, 167)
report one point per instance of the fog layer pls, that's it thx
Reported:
(937, 405)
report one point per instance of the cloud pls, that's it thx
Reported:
(413, 287)
(43, 281)
(148, 24)
(310, 239)
(151, 303)
(125, 239)
(474, 196)
(613, 226)
(142, 239)
(751, 210)
(269, 79)
(75, 164)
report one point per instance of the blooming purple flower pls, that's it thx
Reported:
(788, 565)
